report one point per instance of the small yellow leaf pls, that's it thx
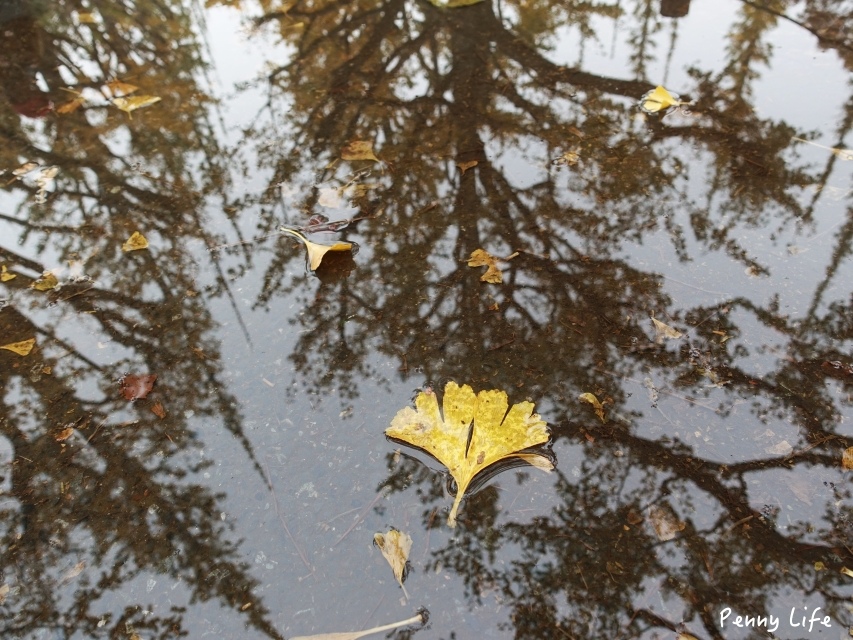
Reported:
(359, 150)
(317, 251)
(481, 258)
(47, 282)
(847, 572)
(473, 432)
(847, 459)
(118, 89)
(70, 106)
(87, 18)
(596, 405)
(659, 100)
(135, 242)
(22, 348)
(5, 276)
(664, 332)
(395, 546)
(136, 102)
(464, 166)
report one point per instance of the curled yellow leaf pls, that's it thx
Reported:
(135, 242)
(315, 250)
(659, 99)
(596, 405)
(395, 547)
(22, 348)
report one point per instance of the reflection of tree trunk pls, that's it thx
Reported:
(674, 8)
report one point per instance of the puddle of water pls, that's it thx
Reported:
(239, 498)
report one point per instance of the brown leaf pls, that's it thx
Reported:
(359, 150)
(158, 410)
(135, 387)
(66, 433)
(481, 258)
(847, 459)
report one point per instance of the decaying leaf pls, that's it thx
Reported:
(481, 258)
(5, 276)
(569, 158)
(158, 410)
(46, 282)
(4, 591)
(63, 435)
(665, 523)
(25, 168)
(133, 103)
(70, 106)
(22, 348)
(136, 387)
(395, 546)
(465, 448)
(659, 99)
(664, 332)
(847, 459)
(317, 251)
(452, 4)
(135, 242)
(118, 89)
(331, 198)
(355, 635)
(359, 150)
(596, 405)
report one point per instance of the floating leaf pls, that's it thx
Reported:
(355, 635)
(4, 591)
(22, 348)
(47, 282)
(464, 449)
(596, 405)
(158, 410)
(453, 4)
(136, 387)
(359, 150)
(135, 102)
(569, 158)
(464, 166)
(87, 18)
(135, 242)
(847, 572)
(395, 546)
(71, 106)
(665, 523)
(659, 99)
(481, 258)
(5, 276)
(63, 435)
(25, 168)
(847, 459)
(664, 332)
(118, 89)
(317, 251)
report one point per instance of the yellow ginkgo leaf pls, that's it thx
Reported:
(474, 432)
(135, 242)
(135, 102)
(481, 258)
(395, 547)
(359, 150)
(47, 282)
(659, 99)
(22, 348)
(317, 251)
(5, 276)
(596, 405)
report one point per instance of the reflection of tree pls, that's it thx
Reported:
(116, 492)
(452, 87)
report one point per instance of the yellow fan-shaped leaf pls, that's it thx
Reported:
(495, 434)
(5, 276)
(659, 99)
(315, 250)
(22, 348)
(395, 547)
(481, 258)
(135, 242)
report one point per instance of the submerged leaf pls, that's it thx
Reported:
(481, 258)
(847, 459)
(136, 387)
(395, 546)
(665, 523)
(25, 168)
(317, 251)
(664, 332)
(596, 405)
(467, 449)
(659, 99)
(359, 150)
(22, 348)
(354, 635)
(70, 106)
(135, 242)
(118, 89)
